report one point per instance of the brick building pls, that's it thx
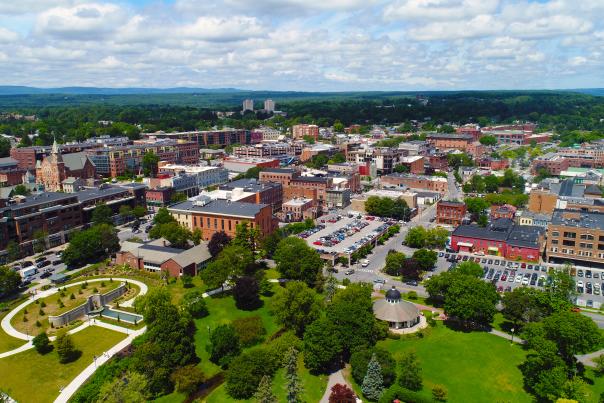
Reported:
(576, 237)
(450, 212)
(414, 164)
(502, 237)
(554, 164)
(298, 209)
(54, 169)
(450, 141)
(268, 150)
(241, 165)
(308, 187)
(284, 176)
(206, 138)
(302, 130)
(504, 211)
(433, 183)
(158, 197)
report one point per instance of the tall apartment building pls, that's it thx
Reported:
(212, 216)
(269, 106)
(207, 138)
(248, 105)
(450, 212)
(299, 131)
(267, 150)
(576, 237)
(115, 161)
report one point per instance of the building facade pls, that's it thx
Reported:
(450, 212)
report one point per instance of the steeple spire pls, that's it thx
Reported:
(55, 146)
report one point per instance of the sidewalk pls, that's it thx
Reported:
(334, 378)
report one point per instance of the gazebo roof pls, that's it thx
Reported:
(401, 311)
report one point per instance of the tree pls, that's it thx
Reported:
(471, 300)
(476, 206)
(102, 214)
(217, 243)
(322, 346)
(469, 268)
(411, 269)
(10, 281)
(125, 211)
(91, 245)
(298, 261)
(351, 311)
(246, 236)
(292, 381)
(491, 183)
(295, 306)
(20, 190)
(13, 251)
(187, 379)
(150, 163)
(359, 361)
(416, 237)
(488, 140)
(233, 261)
(246, 293)
(246, 371)
(524, 305)
(483, 220)
(373, 385)
(341, 393)
(193, 302)
(436, 237)
(139, 211)
(394, 263)
(599, 361)
(196, 236)
(410, 376)
(163, 216)
(253, 173)
(224, 345)
(178, 197)
(42, 343)
(425, 258)
(66, 349)
(40, 241)
(4, 147)
(176, 234)
(264, 394)
(561, 284)
(131, 387)
(338, 127)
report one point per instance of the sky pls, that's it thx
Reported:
(303, 45)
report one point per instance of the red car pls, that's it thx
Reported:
(317, 243)
(523, 265)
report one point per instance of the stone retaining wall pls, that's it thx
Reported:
(93, 302)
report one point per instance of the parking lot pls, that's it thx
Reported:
(507, 275)
(46, 264)
(342, 235)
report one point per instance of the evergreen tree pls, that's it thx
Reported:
(373, 384)
(294, 388)
(331, 286)
(264, 394)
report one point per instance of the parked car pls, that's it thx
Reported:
(365, 263)
(411, 283)
(587, 273)
(349, 272)
(379, 281)
(579, 273)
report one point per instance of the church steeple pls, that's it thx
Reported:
(55, 147)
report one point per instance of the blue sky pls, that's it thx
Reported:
(308, 45)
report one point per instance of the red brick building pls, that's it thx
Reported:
(504, 211)
(414, 164)
(158, 197)
(450, 212)
(303, 130)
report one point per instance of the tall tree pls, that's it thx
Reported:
(150, 163)
(224, 345)
(373, 384)
(297, 261)
(295, 306)
(102, 214)
(246, 293)
(9, 281)
(410, 376)
(217, 242)
(292, 381)
(264, 394)
(322, 346)
(232, 262)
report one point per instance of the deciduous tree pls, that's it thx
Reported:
(246, 293)
(297, 261)
(410, 376)
(295, 306)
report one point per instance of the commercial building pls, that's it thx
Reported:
(432, 183)
(207, 138)
(268, 150)
(241, 165)
(158, 197)
(298, 210)
(450, 212)
(303, 130)
(576, 237)
(502, 237)
(552, 162)
(284, 176)
(529, 218)
(269, 134)
(212, 216)
(250, 191)
(415, 147)
(450, 141)
(382, 159)
(157, 256)
(311, 187)
(413, 164)
(205, 176)
(116, 161)
(338, 198)
(358, 203)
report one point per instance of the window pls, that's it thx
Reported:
(570, 235)
(568, 243)
(586, 245)
(556, 233)
(554, 242)
(587, 237)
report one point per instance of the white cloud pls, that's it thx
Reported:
(7, 36)
(89, 21)
(577, 61)
(550, 26)
(223, 29)
(440, 10)
(479, 26)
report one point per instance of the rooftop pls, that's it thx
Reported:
(220, 207)
(578, 219)
(450, 136)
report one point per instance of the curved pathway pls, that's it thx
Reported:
(9, 329)
(334, 378)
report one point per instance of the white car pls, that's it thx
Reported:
(519, 278)
(580, 284)
(525, 281)
(365, 263)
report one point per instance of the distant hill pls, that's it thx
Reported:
(598, 92)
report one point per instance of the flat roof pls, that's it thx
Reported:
(221, 207)
(578, 219)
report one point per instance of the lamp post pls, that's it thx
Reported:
(512, 335)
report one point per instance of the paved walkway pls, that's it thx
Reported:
(587, 359)
(334, 378)
(74, 385)
(8, 327)
(506, 336)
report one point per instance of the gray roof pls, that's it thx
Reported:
(450, 136)
(578, 219)
(402, 311)
(222, 207)
(498, 230)
(279, 170)
(525, 236)
(76, 161)
(593, 190)
(310, 179)
(91, 194)
(156, 252)
(567, 187)
(8, 162)
(195, 255)
(40, 198)
(250, 185)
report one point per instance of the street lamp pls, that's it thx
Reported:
(512, 335)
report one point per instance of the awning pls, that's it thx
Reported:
(465, 244)
(493, 248)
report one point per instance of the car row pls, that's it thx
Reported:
(589, 287)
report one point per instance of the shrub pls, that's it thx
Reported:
(412, 295)
(25, 311)
(79, 292)
(24, 318)
(187, 379)
(194, 303)
(38, 324)
(249, 330)
(42, 343)
(396, 392)
(102, 284)
(66, 349)
(43, 304)
(95, 290)
(341, 393)
(439, 393)
(187, 281)
(41, 312)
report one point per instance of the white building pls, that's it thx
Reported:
(269, 105)
(248, 105)
(205, 176)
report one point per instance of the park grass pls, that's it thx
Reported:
(52, 306)
(31, 377)
(222, 310)
(313, 387)
(8, 342)
(177, 290)
(473, 366)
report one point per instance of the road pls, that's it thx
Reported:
(454, 191)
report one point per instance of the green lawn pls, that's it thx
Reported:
(7, 342)
(474, 367)
(31, 377)
(222, 311)
(177, 290)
